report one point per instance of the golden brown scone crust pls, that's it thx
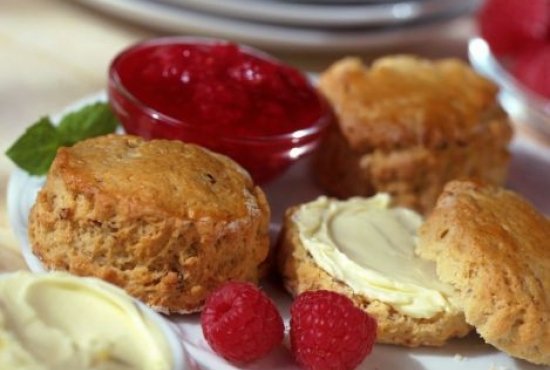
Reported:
(493, 246)
(300, 273)
(407, 126)
(166, 221)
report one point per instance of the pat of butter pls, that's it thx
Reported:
(370, 247)
(58, 321)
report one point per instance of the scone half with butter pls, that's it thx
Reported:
(165, 220)
(494, 248)
(365, 249)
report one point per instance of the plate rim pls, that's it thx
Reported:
(171, 19)
(365, 14)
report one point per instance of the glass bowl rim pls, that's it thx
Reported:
(481, 57)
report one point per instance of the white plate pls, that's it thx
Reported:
(175, 19)
(529, 176)
(330, 15)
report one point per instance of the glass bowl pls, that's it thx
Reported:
(264, 155)
(523, 106)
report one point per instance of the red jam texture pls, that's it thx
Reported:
(215, 94)
(219, 87)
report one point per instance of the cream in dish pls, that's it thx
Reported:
(59, 321)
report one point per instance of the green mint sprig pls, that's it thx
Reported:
(35, 150)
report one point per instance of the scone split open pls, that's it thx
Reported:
(364, 248)
(490, 251)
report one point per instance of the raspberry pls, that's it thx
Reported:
(532, 69)
(241, 323)
(328, 332)
(510, 25)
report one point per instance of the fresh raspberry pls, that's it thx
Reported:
(510, 25)
(328, 332)
(241, 323)
(532, 69)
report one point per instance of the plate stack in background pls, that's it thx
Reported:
(335, 25)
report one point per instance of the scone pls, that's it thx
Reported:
(493, 247)
(166, 221)
(407, 126)
(335, 245)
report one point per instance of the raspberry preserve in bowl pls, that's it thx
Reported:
(232, 99)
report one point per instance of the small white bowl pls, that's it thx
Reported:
(523, 106)
(178, 359)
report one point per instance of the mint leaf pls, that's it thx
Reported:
(92, 120)
(36, 149)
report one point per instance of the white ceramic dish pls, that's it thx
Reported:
(173, 19)
(179, 359)
(529, 176)
(329, 15)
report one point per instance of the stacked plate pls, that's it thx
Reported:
(298, 25)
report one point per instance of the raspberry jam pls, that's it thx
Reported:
(231, 99)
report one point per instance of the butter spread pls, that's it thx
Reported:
(370, 247)
(57, 321)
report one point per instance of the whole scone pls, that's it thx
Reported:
(494, 248)
(300, 273)
(407, 126)
(164, 220)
